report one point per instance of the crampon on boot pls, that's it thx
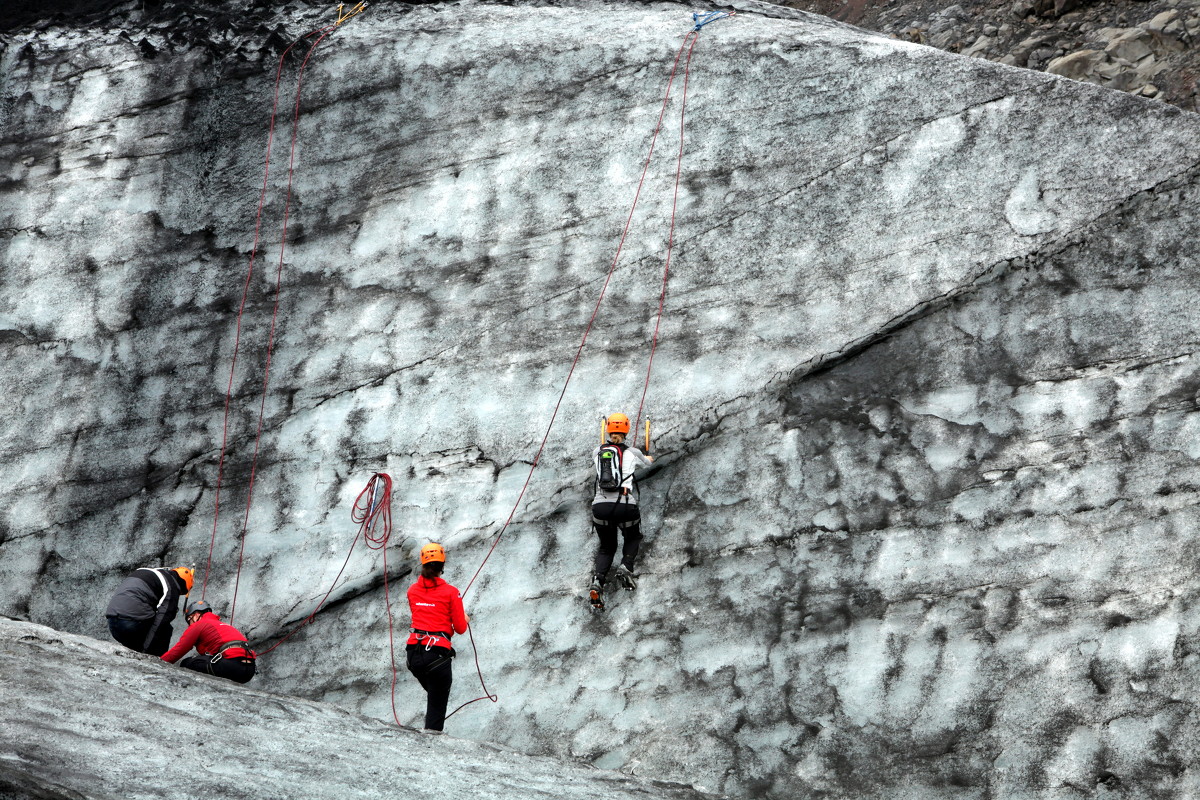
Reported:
(627, 578)
(596, 593)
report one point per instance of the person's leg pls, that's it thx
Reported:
(161, 642)
(129, 632)
(606, 530)
(439, 680)
(196, 664)
(432, 668)
(631, 541)
(238, 670)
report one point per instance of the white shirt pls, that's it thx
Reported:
(631, 459)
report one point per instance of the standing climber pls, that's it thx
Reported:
(223, 650)
(615, 506)
(437, 614)
(140, 613)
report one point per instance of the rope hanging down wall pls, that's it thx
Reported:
(688, 44)
(372, 507)
(320, 34)
(376, 509)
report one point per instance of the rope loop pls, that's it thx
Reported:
(374, 505)
(378, 508)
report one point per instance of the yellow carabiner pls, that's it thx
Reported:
(358, 9)
(647, 433)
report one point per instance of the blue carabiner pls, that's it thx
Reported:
(702, 20)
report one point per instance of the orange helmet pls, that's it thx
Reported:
(616, 423)
(188, 575)
(433, 552)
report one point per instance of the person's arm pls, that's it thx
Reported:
(185, 643)
(458, 616)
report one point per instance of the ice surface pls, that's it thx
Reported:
(922, 524)
(83, 718)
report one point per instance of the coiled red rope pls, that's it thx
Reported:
(377, 508)
(374, 518)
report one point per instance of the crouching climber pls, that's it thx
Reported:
(140, 613)
(615, 506)
(437, 614)
(223, 650)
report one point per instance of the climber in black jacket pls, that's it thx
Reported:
(140, 613)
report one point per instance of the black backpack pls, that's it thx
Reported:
(609, 475)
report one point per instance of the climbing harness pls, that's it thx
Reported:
(431, 639)
(217, 656)
(432, 636)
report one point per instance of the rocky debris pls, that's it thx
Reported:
(1146, 48)
(1131, 58)
(81, 718)
(221, 32)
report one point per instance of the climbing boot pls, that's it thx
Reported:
(627, 578)
(596, 593)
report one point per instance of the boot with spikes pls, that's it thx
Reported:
(627, 578)
(596, 593)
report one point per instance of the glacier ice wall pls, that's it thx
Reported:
(925, 397)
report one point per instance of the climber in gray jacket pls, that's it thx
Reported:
(615, 507)
(140, 613)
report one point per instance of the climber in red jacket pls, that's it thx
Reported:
(437, 614)
(223, 649)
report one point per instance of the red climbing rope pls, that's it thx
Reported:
(487, 695)
(262, 196)
(374, 518)
(689, 38)
(324, 32)
(662, 297)
(591, 321)
(378, 507)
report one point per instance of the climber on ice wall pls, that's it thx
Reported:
(140, 613)
(615, 506)
(223, 650)
(437, 614)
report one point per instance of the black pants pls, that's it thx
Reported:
(432, 668)
(239, 670)
(607, 520)
(132, 633)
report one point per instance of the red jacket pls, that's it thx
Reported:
(437, 608)
(207, 635)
